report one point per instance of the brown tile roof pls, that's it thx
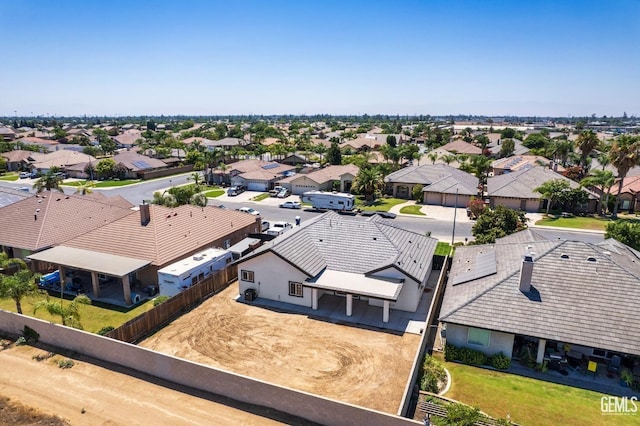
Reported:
(136, 161)
(170, 234)
(62, 158)
(19, 155)
(326, 174)
(630, 184)
(37, 141)
(51, 218)
(461, 147)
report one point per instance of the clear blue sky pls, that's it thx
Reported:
(559, 58)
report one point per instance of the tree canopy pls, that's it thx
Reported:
(497, 223)
(626, 232)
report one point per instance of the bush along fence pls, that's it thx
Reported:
(473, 357)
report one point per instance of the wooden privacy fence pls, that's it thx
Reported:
(136, 329)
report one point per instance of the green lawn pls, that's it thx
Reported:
(261, 197)
(214, 193)
(576, 222)
(93, 318)
(104, 183)
(415, 209)
(10, 177)
(528, 401)
(443, 249)
(380, 204)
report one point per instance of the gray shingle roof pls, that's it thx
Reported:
(436, 178)
(591, 303)
(353, 244)
(521, 184)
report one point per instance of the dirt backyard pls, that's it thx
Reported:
(89, 393)
(364, 367)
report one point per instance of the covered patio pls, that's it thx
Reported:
(103, 270)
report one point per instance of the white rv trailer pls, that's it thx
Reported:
(329, 200)
(178, 276)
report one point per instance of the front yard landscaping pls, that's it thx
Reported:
(379, 204)
(214, 193)
(415, 209)
(11, 177)
(261, 197)
(579, 222)
(104, 183)
(527, 401)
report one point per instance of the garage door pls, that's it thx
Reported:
(256, 186)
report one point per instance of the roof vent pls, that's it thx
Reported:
(591, 259)
(375, 238)
(564, 256)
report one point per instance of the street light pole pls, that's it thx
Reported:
(455, 211)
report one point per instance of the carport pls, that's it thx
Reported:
(385, 289)
(95, 263)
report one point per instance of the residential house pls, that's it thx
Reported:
(367, 259)
(521, 162)
(339, 178)
(517, 190)
(629, 199)
(495, 145)
(59, 159)
(138, 164)
(294, 160)
(440, 184)
(137, 245)
(44, 145)
(128, 138)
(576, 298)
(51, 218)
(7, 134)
(459, 146)
(19, 159)
(255, 175)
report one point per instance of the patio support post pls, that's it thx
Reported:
(95, 284)
(349, 304)
(542, 343)
(385, 311)
(127, 289)
(314, 299)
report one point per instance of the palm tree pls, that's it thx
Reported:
(586, 142)
(198, 180)
(85, 188)
(69, 315)
(368, 182)
(48, 182)
(18, 285)
(603, 180)
(433, 156)
(623, 155)
(448, 159)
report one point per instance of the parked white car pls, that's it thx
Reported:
(25, 175)
(249, 210)
(291, 205)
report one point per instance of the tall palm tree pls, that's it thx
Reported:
(603, 180)
(69, 315)
(48, 182)
(85, 188)
(433, 156)
(18, 285)
(624, 156)
(368, 182)
(586, 142)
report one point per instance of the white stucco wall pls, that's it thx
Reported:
(498, 341)
(271, 279)
(411, 293)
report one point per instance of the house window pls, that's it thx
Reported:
(478, 337)
(295, 289)
(246, 276)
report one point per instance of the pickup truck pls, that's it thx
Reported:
(278, 228)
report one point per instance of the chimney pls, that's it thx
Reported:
(145, 214)
(526, 271)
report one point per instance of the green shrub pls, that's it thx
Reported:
(464, 355)
(450, 352)
(500, 361)
(65, 363)
(21, 341)
(462, 415)
(104, 330)
(160, 299)
(30, 334)
(432, 374)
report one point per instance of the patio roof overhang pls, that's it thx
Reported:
(349, 282)
(109, 264)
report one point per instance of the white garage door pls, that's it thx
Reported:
(256, 186)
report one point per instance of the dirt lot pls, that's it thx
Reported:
(362, 367)
(92, 394)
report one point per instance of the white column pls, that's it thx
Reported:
(314, 299)
(541, 345)
(127, 289)
(95, 283)
(349, 304)
(385, 311)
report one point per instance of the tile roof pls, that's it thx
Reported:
(19, 155)
(129, 137)
(355, 245)
(462, 147)
(51, 218)
(136, 162)
(575, 300)
(630, 184)
(326, 174)
(10, 196)
(522, 184)
(170, 234)
(62, 158)
(519, 162)
(436, 178)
